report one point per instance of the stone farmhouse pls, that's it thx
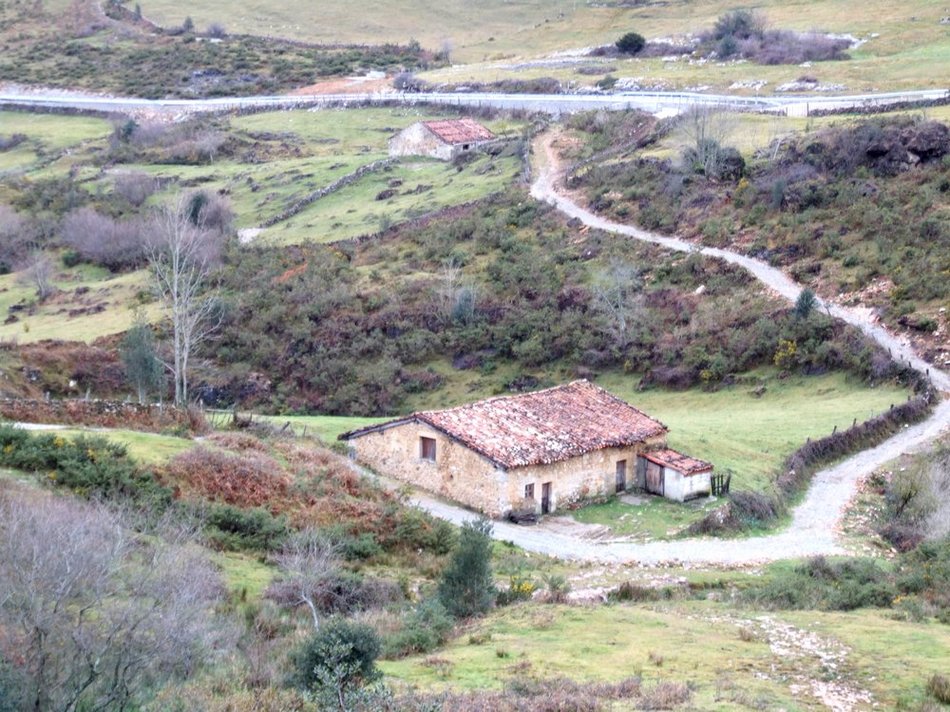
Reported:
(440, 139)
(539, 451)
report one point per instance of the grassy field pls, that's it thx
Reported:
(327, 147)
(892, 659)
(455, 23)
(601, 643)
(751, 435)
(47, 134)
(312, 149)
(909, 46)
(752, 132)
(696, 643)
(650, 519)
(244, 574)
(326, 427)
(74, 312)
(424, 186)
(146, 448)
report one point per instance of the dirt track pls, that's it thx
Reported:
(814, 524)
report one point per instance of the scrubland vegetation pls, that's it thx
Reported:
(112, 48)
(255, 569)
(497, 296)
(651, 646)
(848, 210)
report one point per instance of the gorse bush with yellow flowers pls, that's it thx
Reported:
(89, 466)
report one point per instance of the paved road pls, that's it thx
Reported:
(654, 102)
(813, 529)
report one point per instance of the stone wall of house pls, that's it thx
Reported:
(417, 140)
(464, 476)
(593, 474)
(458, 473)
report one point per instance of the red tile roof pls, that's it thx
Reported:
(678, 461)
(539, 428)
(459, 130)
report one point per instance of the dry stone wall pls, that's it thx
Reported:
(99, 413)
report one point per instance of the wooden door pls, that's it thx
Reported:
(621, 475)
(545, 498)
(654, 478)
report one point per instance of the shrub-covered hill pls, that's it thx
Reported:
(504, 295)
(109, 47)
(857, 211)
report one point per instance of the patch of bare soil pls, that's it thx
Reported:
(345, 85)
(568, 526)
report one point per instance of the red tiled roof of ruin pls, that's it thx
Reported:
(541, 427)
(678, 461)
(459, 130)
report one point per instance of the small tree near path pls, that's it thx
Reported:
(467, 588)
(143, 369)
(805, 304)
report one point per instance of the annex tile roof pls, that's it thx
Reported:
(538, 428)
(455, 131)
(678, 461)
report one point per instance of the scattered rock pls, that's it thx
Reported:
(755, 84)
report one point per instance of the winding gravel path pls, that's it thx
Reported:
(813, 529)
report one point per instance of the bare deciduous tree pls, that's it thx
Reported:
(449, 278)
(37, 272)
(208, 143)
(135, 186)
(98, 238)
(456, 299)
(16, 236)
(181, 254)
(310, 564)
(92, 617)
(618, 297)
(704, 131)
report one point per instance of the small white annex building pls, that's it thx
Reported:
(440, 139)
(674, 475)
